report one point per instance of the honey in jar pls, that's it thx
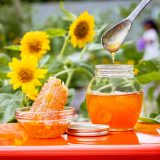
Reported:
(114, 97)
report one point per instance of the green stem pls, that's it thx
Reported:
(104, 87)
(27, 101)
(62, 72)
(63, 47)
(23, 100)
(144, 109)
(80, 69)
(83, 51)
(69, 77)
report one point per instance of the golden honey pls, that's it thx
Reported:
(119, 111)
(41, 129)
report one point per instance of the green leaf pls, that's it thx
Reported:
(69, 16)
(101, 28)
(70, 96)
(149, 120)
(84, 71)
(149, 71)
(150, 93)
(158, 102)
(44, 61)
(126, 49)
(156, 62)
(126, 44)
(86, 66)
(3, 74)
(9, 103)
(55, 32)
(6, 89)
(95, 47)
(153, 115)
(84, 76)
(2, 29)
(147, 78)
(148, 66)
(158, 118)
(13, 47)
(55, 66)
(83, 109)
(4, 60)
(1, 83)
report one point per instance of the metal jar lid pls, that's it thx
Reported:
(81, 129)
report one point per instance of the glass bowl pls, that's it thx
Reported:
(49, 124)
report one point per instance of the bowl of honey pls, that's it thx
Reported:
(50, 124)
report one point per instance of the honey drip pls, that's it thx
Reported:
(113, 56)
(112, 48)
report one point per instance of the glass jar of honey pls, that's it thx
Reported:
(114, 97)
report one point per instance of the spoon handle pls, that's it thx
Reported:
(138, 10)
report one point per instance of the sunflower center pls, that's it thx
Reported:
(25, 75)
(81, 29)
(35, 47)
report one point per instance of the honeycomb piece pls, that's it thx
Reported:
(53, 96)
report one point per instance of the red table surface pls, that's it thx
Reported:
(143, 143)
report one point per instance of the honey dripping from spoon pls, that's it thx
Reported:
(115, 36)
(113, 48)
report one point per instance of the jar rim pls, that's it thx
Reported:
(99, 66)
(114, 70)
(27, 110)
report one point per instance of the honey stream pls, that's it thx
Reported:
(113, 48)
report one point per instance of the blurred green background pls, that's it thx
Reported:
(20, 16)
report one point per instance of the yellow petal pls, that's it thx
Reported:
(27, 87)
(37, 82)
(17, 85)
(32, 95)
(40, 73)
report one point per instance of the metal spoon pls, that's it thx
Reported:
(114, 37)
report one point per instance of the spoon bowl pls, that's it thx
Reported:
(114, 37)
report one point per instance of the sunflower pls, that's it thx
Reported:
(32, 95)
(35, 43)
(82, 30)
(25, 74)
(136, 71)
